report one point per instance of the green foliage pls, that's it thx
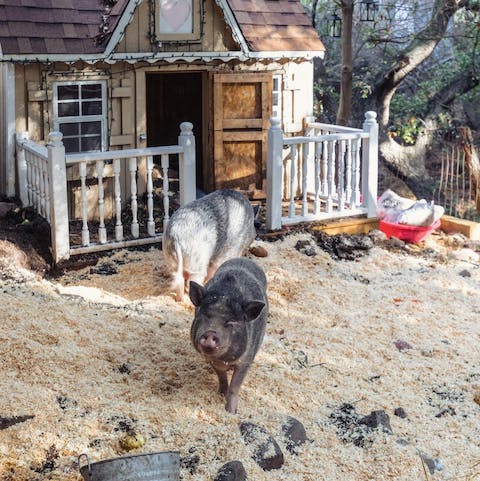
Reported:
(407, 132)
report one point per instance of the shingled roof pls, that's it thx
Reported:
(275, 25)
(57, 26)
(83, 28)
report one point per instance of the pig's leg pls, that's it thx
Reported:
(239, 373)
(222, 381)
(212, 268)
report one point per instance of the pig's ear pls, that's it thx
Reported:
(196, 293)
(253, 309)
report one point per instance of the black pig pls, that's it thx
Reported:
(229, 325)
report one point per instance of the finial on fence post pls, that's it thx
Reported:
(58, 197)
(187, 172)
(370, 164)
(274, 175)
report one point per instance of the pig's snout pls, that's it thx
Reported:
(209, 341)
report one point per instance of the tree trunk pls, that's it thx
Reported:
(473, 162)
(410, 160)
(345, 105)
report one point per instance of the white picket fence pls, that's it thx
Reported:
(43, 186)
(329, 173)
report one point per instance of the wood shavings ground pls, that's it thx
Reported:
(96, 353)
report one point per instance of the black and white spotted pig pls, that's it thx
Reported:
(230, 317)
(203, 234)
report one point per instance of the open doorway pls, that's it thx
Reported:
(173, 98)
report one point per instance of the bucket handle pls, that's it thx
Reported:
(88, 463)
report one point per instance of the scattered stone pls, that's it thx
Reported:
(402, 442)
(402, 345)
(231, 471)
(132, 440)
(476, 398)
(400, 412)
(259, 251)
(432, 464)
(11, 421)
(266, 451)
(305, 247)
(378, 420)
(465, 273)
(295, 434)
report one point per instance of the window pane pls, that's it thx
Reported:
(68, 109)
(91, 128)
(176, 16)
(67, 92)
(92, 91)
(70, 129)
(72, 145)
(91, 108)
(90, 144)
(275, 98)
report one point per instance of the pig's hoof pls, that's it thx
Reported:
(231, 406)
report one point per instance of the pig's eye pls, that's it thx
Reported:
(229, 323)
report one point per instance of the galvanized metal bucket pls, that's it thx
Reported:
(162, 466)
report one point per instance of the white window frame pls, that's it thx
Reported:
(277, 108)
(82, 118)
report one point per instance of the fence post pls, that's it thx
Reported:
(274, 175)
(370, 164)
(187, 173)
(58, 197)
(22, 168)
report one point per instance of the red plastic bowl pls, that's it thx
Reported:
(407, 233)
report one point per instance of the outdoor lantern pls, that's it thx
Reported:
(335, 25)
(368, 10)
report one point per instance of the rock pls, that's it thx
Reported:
(231, 471)
(266, 451)
(305, 247)
(476, 398)
(432, 464)
(402, 345)
(11, 421)
(132, 440)
(295, 434)
(258, 251)
(378, 420)
(465, 273)
(400, 412)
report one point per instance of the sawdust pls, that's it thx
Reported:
(105, 350)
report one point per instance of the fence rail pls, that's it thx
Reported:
(42, 175)
(331, 172)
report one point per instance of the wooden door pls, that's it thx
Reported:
(242, 108)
